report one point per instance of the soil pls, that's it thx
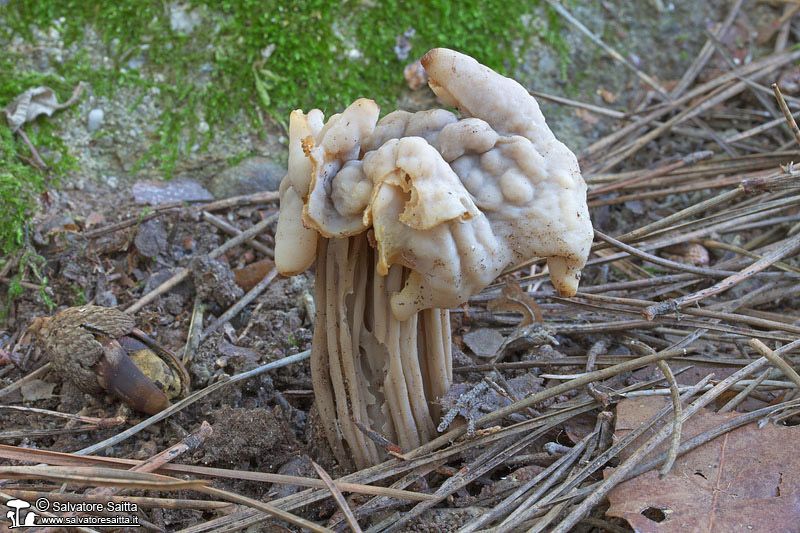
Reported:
(267, 423)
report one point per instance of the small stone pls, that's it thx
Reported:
(151, 238)
(484, 342)
(175, 190)
(53, 222)
(106, 299)
(255, 174)
(183, 19)
(96, 117)
(136, 62)
(213, 281)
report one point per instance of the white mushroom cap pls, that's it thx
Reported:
(529, 185)
(296, 245)
(456, 201)
(337, 200)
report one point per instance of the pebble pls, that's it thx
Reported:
(255, 174)
(151, 238)
(182, 19)
(96, 117)
(136, 62)
(106, 299)
(175, 190)
(484, 342)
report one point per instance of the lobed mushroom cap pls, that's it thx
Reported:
(296, 245)
(457, 201)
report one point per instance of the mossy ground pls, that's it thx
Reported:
(247, 62)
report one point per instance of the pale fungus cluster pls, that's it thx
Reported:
(407, 217)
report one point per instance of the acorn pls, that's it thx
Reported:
(98, 348)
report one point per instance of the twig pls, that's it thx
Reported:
(183, 273)
(705, 53)
(246, 199)
(37, 159)
(622, 443)
(174, 408)
(676, 418)
(99, 422)
(267, 508)
(659, 260)
(731, 248)
(234, 231)
(690, 444)
(239, 305)
(544, 395)
(744, 393)
(494, 456)
(338, 498)
(666, 169)
(550, 475)
(620, 472)
(786, 249)
(36, 374)
(610, 51)
(189, 443)
(786, 113)
(591, 358)
(157, 211)
(776, 360)
(23, 284)
(69, 459)
(195, 330)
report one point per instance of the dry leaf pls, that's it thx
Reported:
(607, 96)
(586, 116)
(94, 218)
(484, 342)
(37, 390)
(249, 276)
(34, 102)
(513, 299)
(745, 480)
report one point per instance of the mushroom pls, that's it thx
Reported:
(407, 217)
(98, 348)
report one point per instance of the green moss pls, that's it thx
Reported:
(248, 60)
(283, 55)
(78, 295)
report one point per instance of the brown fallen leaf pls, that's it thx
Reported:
(607, 96)
(37, 390)
(745, 480)
(34, 102)
(93, 219)
(249, 276)
(586, 116)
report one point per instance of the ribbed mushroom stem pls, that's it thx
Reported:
(366, 365)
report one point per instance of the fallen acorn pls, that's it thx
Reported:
(98, 348)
